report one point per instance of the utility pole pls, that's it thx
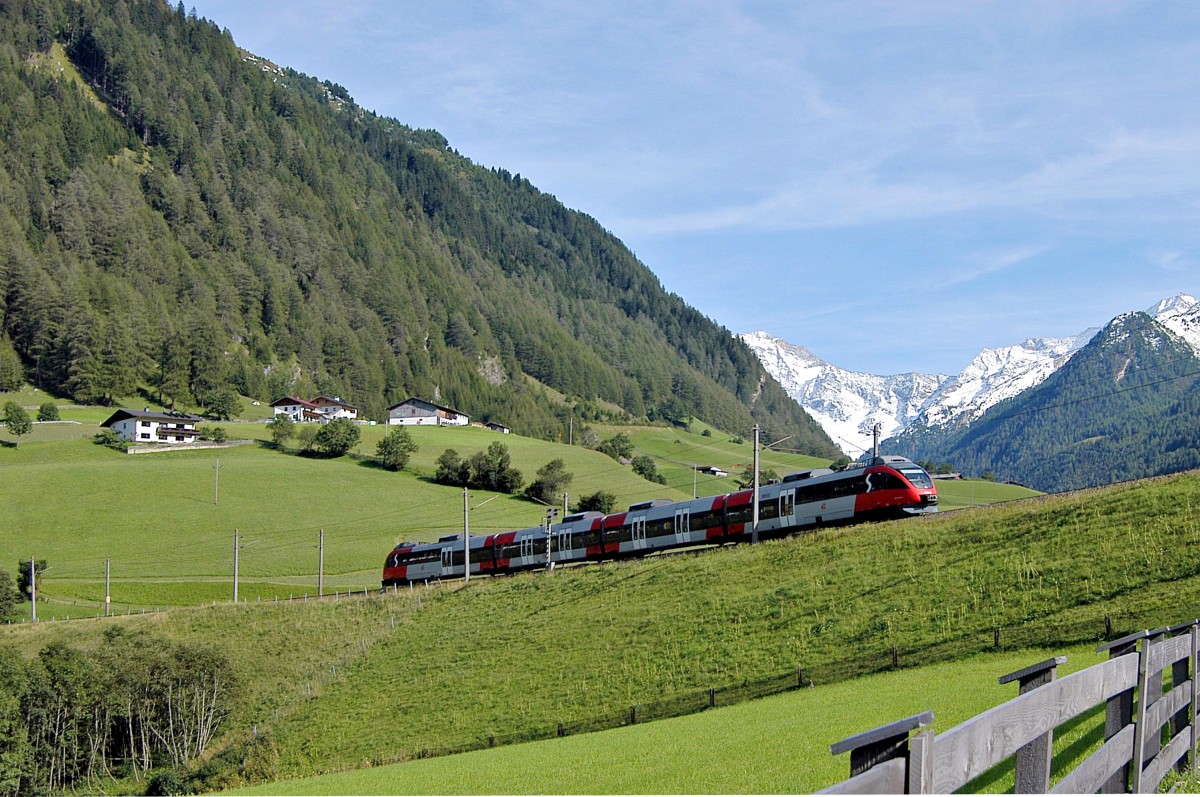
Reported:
(754, 520)
(565, 503)
(107, 592)
(694, 469)
(466, 537)
(321, 564)
(876, 430)
(571, 432)
(235, 565)
(216, 481)
(32, 592)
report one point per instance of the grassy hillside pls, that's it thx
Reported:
(382, 679)
(166, 521)
(777, 745)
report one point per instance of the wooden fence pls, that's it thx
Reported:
(1152, 670)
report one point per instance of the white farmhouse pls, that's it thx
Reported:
(147, 426)
(334, 407)
(299, 410)
(418, 412)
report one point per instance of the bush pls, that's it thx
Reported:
(282, 429)
(552, 479)
(451, 469)
(307, 437)
(165, 782)
(493, 470)
(8, 596)
(110, 438)
(48, 411)
(599, 501)
(619, 447)
(395, 448)
(214, 433)
(645, 467)
(337, 437)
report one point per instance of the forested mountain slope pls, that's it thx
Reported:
(174, 211)
(1125, 406)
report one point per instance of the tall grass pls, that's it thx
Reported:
(383, 679)
(775, 745)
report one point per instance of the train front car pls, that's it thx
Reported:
(896, 487)
(414, 562)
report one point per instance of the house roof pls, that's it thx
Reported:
(325, 401)
(425, 403)
(152, 415)
(290, 400)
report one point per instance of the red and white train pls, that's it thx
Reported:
(880, 488)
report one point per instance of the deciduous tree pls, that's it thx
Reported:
(16, 420)
(337, 437)
(552, 480)
(394, 450)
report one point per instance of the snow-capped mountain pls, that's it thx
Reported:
(848, 404)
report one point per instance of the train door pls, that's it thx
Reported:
(787, 508)
(565, 543)
(638, 527)
(683, 527)
(527, 546)
(447, 559)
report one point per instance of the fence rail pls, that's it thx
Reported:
(1154, 670)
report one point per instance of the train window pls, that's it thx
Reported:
(885, 481)
(919, 478)
(741, 514)
(705, 520)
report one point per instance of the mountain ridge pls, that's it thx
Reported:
(225, 223)
(848, 404)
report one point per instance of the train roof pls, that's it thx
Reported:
(806, 474)
(652, 503)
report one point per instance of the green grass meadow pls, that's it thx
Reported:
(777, 745)
(335, 685)
(164, 522)
(340, 684)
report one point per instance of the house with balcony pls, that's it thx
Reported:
(334, 407)
(299, 410)
(149, 426)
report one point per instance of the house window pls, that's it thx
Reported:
(143, 423)
(144, 435)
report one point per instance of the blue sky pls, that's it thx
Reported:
(893, 185)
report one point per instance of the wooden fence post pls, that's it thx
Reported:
(920, 763)
(1119, 712)
(1151, 742)
(1180, 673)
(878, 747)
(1033, 760)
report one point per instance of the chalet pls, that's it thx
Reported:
(713, 470)
(418, 412)
(147, 426)
(299, 410)
(497, 427)
(334, 407)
